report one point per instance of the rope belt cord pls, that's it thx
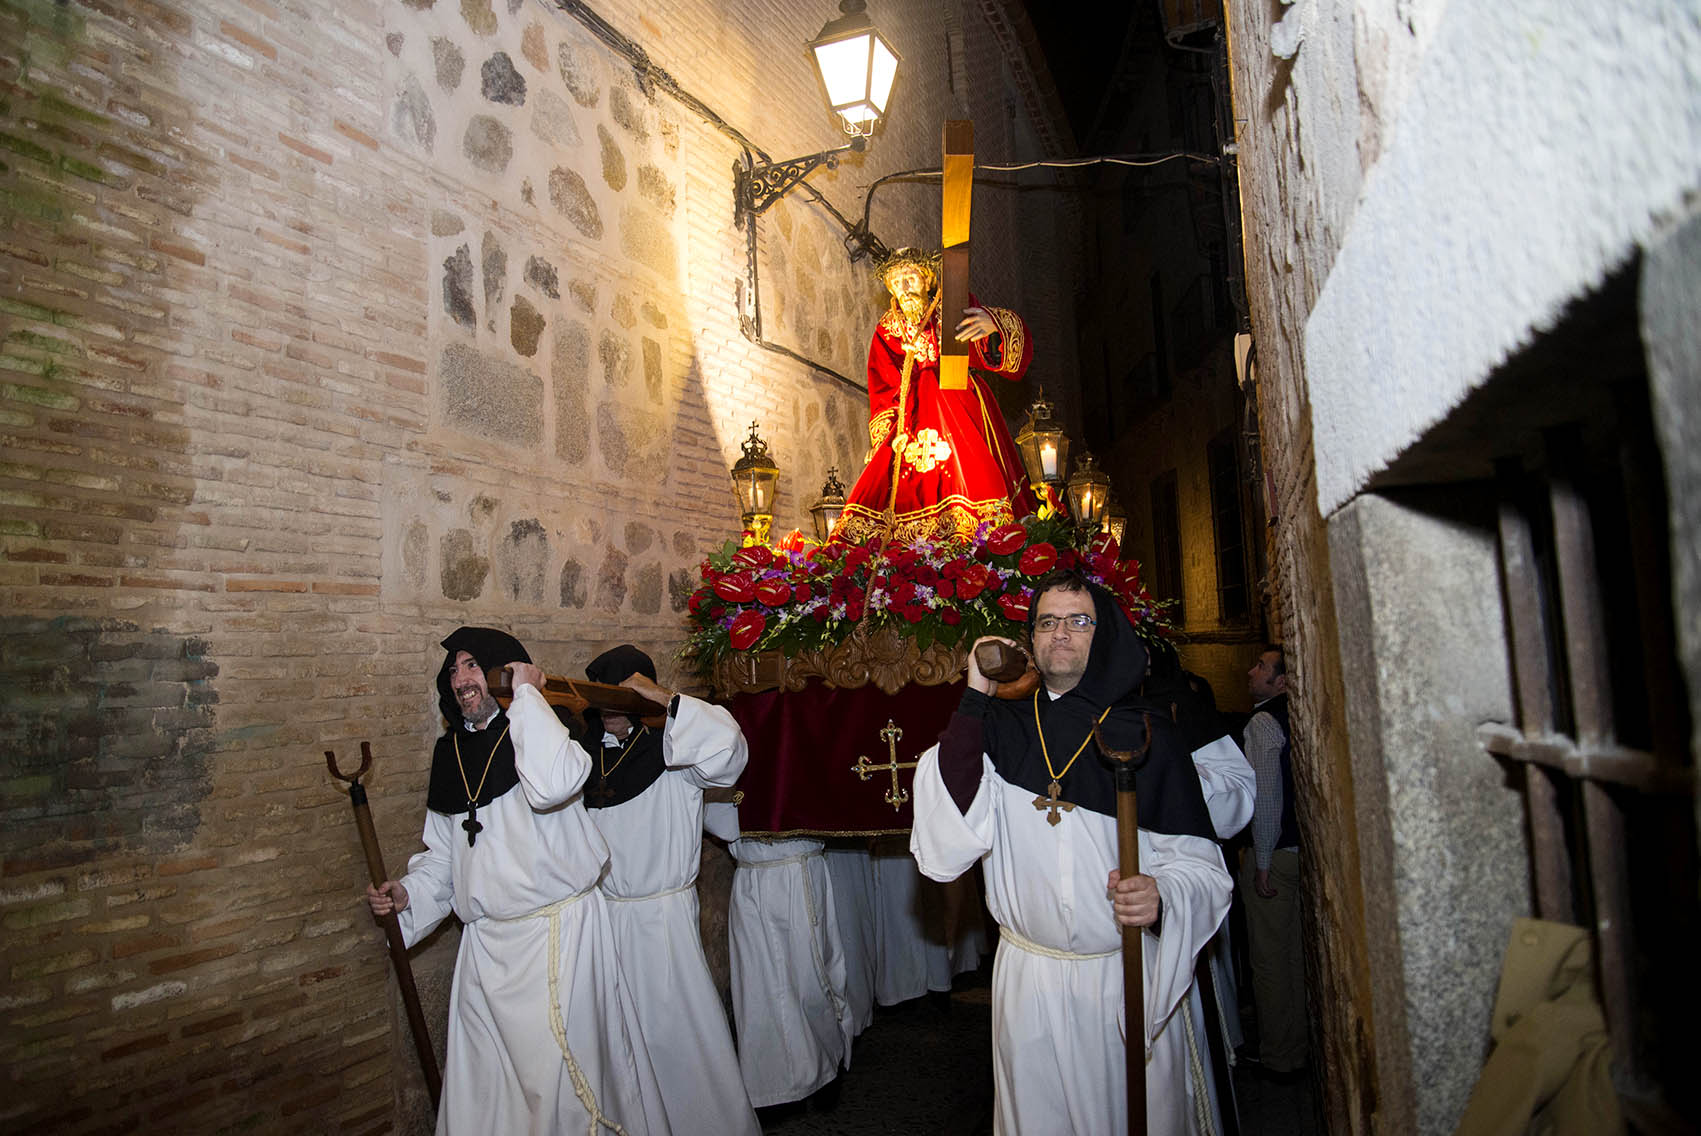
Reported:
(581, 1084)
(653, 895)
(1202, 1112)
(1022, 942)
(798, 859)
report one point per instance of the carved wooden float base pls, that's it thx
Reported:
(882, 658)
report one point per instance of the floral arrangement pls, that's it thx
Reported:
(804, 596)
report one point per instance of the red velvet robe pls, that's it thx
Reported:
(958, 467)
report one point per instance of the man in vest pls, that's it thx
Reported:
(1270, 879)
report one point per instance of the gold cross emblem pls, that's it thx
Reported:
(895, 796)
(1050, 801)
(927, 450)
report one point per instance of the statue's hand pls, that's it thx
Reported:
(976, 325)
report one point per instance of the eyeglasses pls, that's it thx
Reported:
(1046, 624)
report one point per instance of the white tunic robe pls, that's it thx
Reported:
(542, 1038)
(912, 956)
(655, 842)
(788, 970)
(851, 873)
(1058, 1031)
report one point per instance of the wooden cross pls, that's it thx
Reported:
(956, 199)
(895, 796)
(1050, 801)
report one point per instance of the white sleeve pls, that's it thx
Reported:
(720, 818)
(1195, 889)
(704, 741)
(1227, 779)
(551, 765)
(945, 841)
(429, 881)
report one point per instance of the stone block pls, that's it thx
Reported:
(540, 274)
(457, 288)
(613, 160)
(525, 326)
(567, 193)
(463, 571)
(489, 397)
(570, 365)
(552, 119)
(448, 61)
(521, 558)
(493, 259)
(499, 82)
(580, 72)
(648, 239)
(410, 116)
(488, 144)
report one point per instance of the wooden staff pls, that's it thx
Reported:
(392, 928)
(1122, 764)
(574, 692)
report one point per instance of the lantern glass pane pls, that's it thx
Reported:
(844, 69)
(885, 70)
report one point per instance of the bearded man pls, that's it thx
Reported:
(542, 1032)
(1021, 787)
(646, 797)
(941, 462)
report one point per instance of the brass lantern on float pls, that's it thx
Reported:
(828, 506)
(857, 67)
(756, 478)
(1088, 493)
(1043, 444)
(1116, 520)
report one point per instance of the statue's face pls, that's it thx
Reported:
(910, 287)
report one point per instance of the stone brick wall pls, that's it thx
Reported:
(326, 328)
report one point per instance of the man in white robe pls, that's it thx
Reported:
(850, 873)
(646, 796)
(542, 1034)
(788, 964)
(1049, 856)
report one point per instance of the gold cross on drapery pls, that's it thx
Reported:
(1050, 801)
(895, 796)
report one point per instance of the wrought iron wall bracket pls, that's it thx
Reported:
(757, 187)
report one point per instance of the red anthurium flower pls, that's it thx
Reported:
(1037, 559)
(698, 599)
(774, 593)
(1014, 606)
(746, 629)
(735, 586)
(973, 581)
(753, 556)
(1104, 544)
(1005, 539)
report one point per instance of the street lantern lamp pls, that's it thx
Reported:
(1088, 492)
(827, 508)
(1116, 520)
(756, 478)
(1043, 444)
(857, 67)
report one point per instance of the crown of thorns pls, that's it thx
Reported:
(909, 257)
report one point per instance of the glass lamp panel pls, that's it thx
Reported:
(880, 78)
(844, 69)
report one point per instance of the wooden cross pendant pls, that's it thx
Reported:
(602, 794)
(473, 828)
(1051, 802)
(895, 796)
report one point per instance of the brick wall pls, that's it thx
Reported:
(325, 328)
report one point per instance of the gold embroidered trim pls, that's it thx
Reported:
(880, 426)
(1011, 328)
(919, 341)
(956, 517)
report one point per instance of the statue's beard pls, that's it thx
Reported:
(912, 305)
